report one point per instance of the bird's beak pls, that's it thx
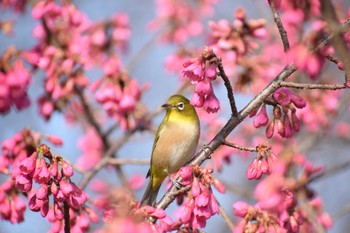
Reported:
(167, 106)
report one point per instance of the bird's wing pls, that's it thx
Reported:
(155, 144)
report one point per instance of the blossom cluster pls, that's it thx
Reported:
(14, 82)
(202, 71)
(64, 56)
(285, 120)
(180, 19)
(200, 203)
(118, 94)
(263, 162)
(232, 41)
(277, 208)
(38, 175)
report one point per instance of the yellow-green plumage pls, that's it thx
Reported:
(174, 145)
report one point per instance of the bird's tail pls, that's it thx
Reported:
(150, 196)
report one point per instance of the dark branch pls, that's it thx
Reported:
(337, 40)
(229, 88)
(280, 27)
(66, 217)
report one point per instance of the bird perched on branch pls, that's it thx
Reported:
(174, 145)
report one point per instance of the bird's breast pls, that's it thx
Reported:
(175, 147)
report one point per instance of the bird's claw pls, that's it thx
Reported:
(176, 183)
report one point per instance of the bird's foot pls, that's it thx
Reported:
(176, 183)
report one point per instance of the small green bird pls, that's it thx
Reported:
(174, 145)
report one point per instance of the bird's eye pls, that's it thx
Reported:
(181, 106)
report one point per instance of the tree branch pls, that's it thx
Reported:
(337, 40)
(66, 217)
(233, 122)
(279, 24)
(313, 86)
(229, 88)
(245, 148)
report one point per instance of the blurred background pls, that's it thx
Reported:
(334, 190)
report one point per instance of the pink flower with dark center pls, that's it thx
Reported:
(283, 96)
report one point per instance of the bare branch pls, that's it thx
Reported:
(331, 171)
(338, 42)
(233, 122)
(229, 89)
(279, 24)
(313, 86)
(233, 145)
(66, 217)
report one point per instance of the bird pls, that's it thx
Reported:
(174, 145)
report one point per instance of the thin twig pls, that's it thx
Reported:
(229, 88)
(105, 159)
(233, 122)
(331, 171)
(313, 86)
(225, 217)
(245, 148)
(340, 213)
(338, 42)
(310, 212)
(279, 24)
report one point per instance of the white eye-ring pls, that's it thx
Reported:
(180, 106)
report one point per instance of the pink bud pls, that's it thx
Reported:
(280, 127)
(54, 140)
(195, 190)
(298, 101)
(204, 87)
(241, 208)
(34, 204)
(41, 173)
(295, 122)
(203, 199)
(252, 169)
(44, 208)
(58, 210)
(219, 185)
(197, 100)
(287, 126)
(210, 72)
(27, 165)
(261, 119)
(66, 187)
(54, 188)
(53, 169)
(67, 169)
(42, 192)
(211, 103)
